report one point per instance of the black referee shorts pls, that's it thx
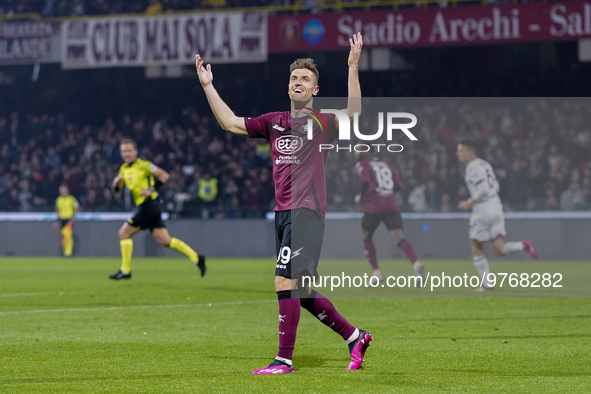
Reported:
(148, 216)
(63, 222)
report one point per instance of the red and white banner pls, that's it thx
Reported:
(462, 25)
(27, 42)
(165, 40)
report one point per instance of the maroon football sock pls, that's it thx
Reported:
(370, 253)
(289, 317)
(324, 310)
(408, 250)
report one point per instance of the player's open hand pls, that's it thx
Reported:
(465, 205)
(147, 193)
(117, 184)
(356, 45)
(204, 73)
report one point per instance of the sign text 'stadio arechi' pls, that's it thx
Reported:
(433, 26)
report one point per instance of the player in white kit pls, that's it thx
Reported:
(487, 222)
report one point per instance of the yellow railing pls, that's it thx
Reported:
(29, 15)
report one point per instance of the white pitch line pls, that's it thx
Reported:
(22, 294)
(118, 308)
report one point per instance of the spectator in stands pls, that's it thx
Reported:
(253, 202)
(572, 199)
(433, 196)
(154, 7)
(91, 201)
(38, 152)
(25, 196)
(587, 189)
(208, 190)
(515, 184)
(446, 205)
(234, 210)
(108, 203)
(551, 203)
(417, 198)
(14, 202)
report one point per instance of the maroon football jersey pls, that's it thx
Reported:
(378, 182)
(298, 164)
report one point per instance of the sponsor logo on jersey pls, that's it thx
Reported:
(288, 144)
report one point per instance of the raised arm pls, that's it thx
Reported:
(224, 115)
(354, 101)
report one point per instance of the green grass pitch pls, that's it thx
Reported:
(64, 327)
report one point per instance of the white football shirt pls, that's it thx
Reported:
(482, 183)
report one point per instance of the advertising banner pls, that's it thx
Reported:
(28, 42)
(165, 40)
(464, 25)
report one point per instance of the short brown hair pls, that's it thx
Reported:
(468, 144)
(129, 141)
(308, 64)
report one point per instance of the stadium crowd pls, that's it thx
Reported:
(65, 8)
(73, 8)
(54, 131)
(540, 151)
(39, 153)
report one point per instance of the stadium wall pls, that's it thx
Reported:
(557, 239)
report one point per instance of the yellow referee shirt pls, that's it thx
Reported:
(138, 176)
(66, 206)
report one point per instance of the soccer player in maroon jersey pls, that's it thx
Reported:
(300, 199)
(378, 182)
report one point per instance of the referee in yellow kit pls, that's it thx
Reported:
(66, 208)
(143, 179)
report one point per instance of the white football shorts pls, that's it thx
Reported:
(486, 226)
